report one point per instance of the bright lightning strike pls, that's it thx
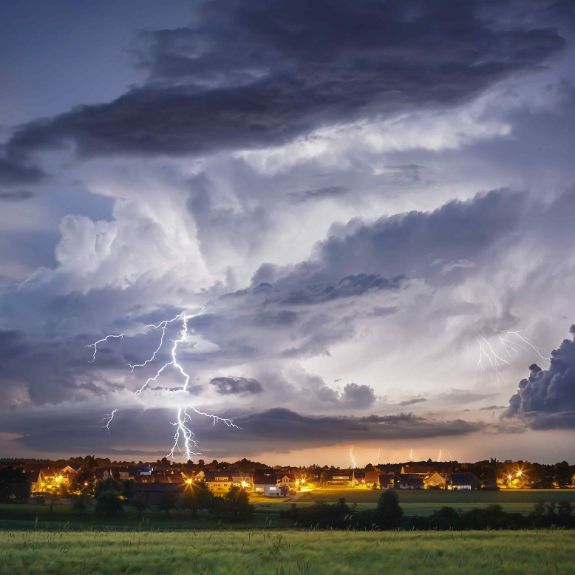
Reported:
(184, 439)
(108, 418)
(95, 345)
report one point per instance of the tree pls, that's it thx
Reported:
(168, 500)
(14, 484)
(84, 482)
(237, 504)
(109, 504)
(109, 484)
(562, 474)
(196, 497)
(388, 513)
(80, 503)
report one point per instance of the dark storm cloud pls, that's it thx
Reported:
(236, 385)
(361, 256)
(546, 399)
(14, 172)
(259, 72)
(15, 195)
(77, 430)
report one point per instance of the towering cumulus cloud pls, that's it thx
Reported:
(547, 397)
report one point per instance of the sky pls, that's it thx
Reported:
(356, 218)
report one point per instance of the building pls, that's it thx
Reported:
(341, 477)
(268, 485)
(388, 480)
(371, 479)
(435, 481)
(53, 480)
(410, 481)
(462, 482)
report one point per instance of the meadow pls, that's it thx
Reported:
(287, 552)
(425, 502)
(267, 511)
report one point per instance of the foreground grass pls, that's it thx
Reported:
(287, 552)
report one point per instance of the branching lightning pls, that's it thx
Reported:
(491, 355)
(184, 439)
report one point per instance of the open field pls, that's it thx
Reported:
(30, 516)
(287, 552)
(425, 502)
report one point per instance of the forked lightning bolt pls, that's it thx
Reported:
(184, 439)
(510, 343)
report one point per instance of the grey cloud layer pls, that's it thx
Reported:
(256, 73)
(149, 431)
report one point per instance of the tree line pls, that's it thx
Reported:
(388, 514)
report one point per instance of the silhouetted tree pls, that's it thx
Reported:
(109, 504)
(388, 513)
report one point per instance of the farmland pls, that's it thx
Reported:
(425, 502)
(286, 552)
(267, 510)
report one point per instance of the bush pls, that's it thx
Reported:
(109, 504)
(236, 504)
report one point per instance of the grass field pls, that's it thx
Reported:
(287, 553)
(28, 516)
(425, 502)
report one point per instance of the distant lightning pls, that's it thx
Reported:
(108, 418)
(529, 344)
(184, 439)
(509, 344)
(352, 458)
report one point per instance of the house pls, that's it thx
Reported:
(371, 478)
(267, 484)
(388, 480)
(289, 481)
(219, 482)
(410, 481)
(341, 477)
(435, 481)
(52, 480)
(462, 482)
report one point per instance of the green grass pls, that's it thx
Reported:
(27, 516)
(425, 502)
(287, 553)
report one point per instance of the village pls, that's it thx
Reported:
(33, 480)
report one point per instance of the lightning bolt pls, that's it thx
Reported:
(510, 343)
(352, 458)
(529, 344)
(95, 345)
(108, 418)
(184, 438)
